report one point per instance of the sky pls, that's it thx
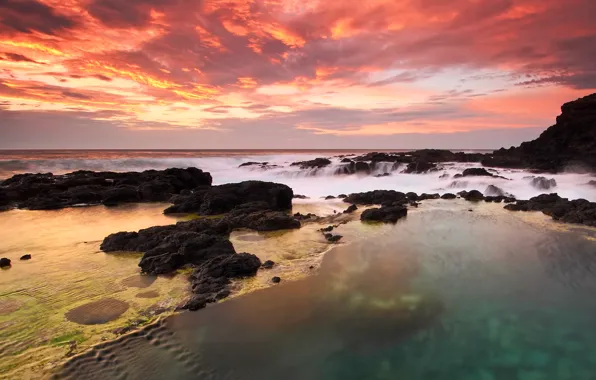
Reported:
(209, 74)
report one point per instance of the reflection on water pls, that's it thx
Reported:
(444, 294)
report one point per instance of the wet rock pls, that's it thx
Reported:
(412, 196)
(328, 197)
(458, 184)
(5, 262)
(383, 175)
(211, 278)
(317, 163)
(49, 192)
(300, 196)
(493, 190)
(420, 167)
(346, 161)
(252, 163)
(578, 211)
(262, 220)
(276, 280)
(350, 209)
(543, 183)
(444, 176)
(473, 196)
(224, 198)
(425, 196)
(331, 238)
(327, 229)
(195, 303)
(342, 196)
(376, 197)
(307, 217)
(386, 214)
(268, 264)
(476, 172)
(25, 257)
(448, 196)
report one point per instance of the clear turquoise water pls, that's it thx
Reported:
(445, 294)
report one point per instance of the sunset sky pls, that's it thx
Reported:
(289, 73)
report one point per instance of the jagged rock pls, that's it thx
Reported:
(350, 209)
(4, 262)
(571, 142)
(579, 211)
(386, 214)
(419, 167)
(223, 198)
(476, 172)
(48, 191)
(317, 163)
(265, 220)
(542, 183)
(376, 197)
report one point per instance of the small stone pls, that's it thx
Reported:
(276, 280)
(4, 262)
(26, 257)
(268, 264)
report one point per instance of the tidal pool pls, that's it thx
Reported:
(444, 294)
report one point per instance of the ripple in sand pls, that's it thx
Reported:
(149, 294)
(139, 281)
(8, 306)
(98, 312)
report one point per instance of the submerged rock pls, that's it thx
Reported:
(386, 214)
(493, 190)
(97, 312)
(317, 163)
(476, 172)
(419, 167)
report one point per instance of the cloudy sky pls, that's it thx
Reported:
(289, 73)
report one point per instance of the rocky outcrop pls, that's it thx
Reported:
(543, 183)
(317, 163)
(579, 211)
(49, 192)
(385, 214)
(220, 199)
(476, 172)
(420, 167)
(376, 197)
(570, 143)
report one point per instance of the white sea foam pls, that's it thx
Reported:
(315, 183)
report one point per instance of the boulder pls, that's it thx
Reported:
(223, 198)
(350, 209)
(268, 264)
(386, 214)
(543, 183)
(476, 172)
(317, 163)
(473, 196)
(493, 190)
(276, 280)
(4, 262)
(376, 197)
(448, 196)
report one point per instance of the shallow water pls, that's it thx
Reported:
(444, 294)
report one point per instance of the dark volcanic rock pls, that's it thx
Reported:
(276, 280)
(494, 191)
(350, 209)
(476, 172)
(473, 196)
(223, 198)
(268, 264)
(579, 211)
(331, 238)
(49, 192)
(299, 196)
(4, 262)
(25, 257)
(571, 142)
(419, 167)
(376, 197)
(448, 196)
(542, 183)
(386, 214)
(425, 196)
(265, 220)
(317, 163)
(211, 279)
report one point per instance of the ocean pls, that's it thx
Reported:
(224, 166)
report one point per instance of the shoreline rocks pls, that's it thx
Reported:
(578, 211)
(52, 192)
